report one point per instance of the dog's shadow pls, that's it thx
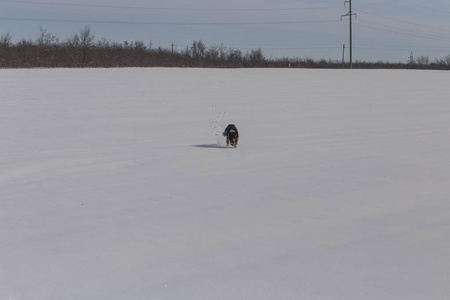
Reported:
(212, 146)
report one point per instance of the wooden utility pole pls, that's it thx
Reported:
(350, 14)
(343, 56)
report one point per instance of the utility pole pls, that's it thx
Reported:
(350, 14)
(411, 59)
(343, 57)
(172, 48)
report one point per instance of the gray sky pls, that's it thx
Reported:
(384, 30)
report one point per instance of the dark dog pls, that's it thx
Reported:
(232, 135)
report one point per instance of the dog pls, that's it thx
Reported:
(232, 135)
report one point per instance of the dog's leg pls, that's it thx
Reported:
(228, 141)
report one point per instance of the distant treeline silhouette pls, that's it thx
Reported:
(82, 51)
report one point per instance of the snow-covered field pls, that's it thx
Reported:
(114, 185)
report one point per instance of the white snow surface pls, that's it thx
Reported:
(116, 184)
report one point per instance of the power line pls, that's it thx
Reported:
(164, 8)
(298, 48)
(439, 10)
(406, 22)
(163, 23)
(403, 31)
(390, 48)
(400, 49)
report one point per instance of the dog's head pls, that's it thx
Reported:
(232, 136)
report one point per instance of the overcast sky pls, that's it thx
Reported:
(383, 30)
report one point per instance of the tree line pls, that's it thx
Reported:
(82, 51)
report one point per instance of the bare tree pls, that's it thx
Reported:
(234, 58)
(6, 40)
(423, 60)
(447, 60)
(140, 46)
(45, 38)
(86, 37)
(212, 54)
(86, 42)
(255, 57)
(80, 50)
(5, 50)
(198, 50)
(45, 52)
